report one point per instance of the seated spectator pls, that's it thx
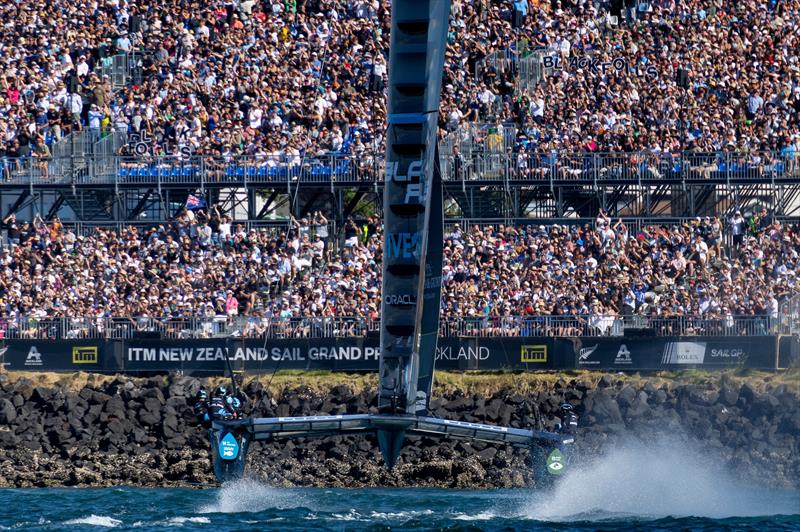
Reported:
(556, 279)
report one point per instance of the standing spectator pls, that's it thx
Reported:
(41, 153)
(12, 229)
(737, 225)
(95, 118)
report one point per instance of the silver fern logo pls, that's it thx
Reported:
(585, 353)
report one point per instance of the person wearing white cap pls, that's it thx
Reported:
(737, 225)
(95, 117)
(82, 68)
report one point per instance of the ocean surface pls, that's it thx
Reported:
(247, 505)
(661, 485)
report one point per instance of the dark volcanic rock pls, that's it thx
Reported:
(728, 396)
(7, 412)
(605, 381)
(143, 432)
(606, 409)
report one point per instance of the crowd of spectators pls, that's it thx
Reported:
(298, 78)
(52, 80)
(608, 270)
(201, 266)
(741, 59)
(294, 79)
(223, 78)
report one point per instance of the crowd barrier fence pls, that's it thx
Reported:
(220, 326)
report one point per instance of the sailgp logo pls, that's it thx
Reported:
(585, 353)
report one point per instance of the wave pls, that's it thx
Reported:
(482, 516)
(182, 520)
(664, 478)
(173, 521)
(249, 495)
(400, 515)
(95, 520)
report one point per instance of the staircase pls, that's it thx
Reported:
(90, 205)
(476, 203)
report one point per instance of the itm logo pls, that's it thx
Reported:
(533, 353)
(34, 358)
(623, 355)
(85, 355)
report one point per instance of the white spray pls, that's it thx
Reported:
(666, 477)
(252, 496)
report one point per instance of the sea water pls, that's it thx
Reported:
(249, 505)
(663, 485)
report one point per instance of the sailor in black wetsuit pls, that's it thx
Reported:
(201, 408)
(569, 420)
(234, 405)
(218, 408)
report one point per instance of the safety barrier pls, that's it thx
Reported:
(122, 68)
(789, 316)
(221, 326)
(272, 228)
(635, 167)
(489, 159)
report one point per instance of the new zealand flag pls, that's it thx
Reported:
(195, 202)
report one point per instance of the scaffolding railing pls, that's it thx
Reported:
(596, 167)
(273, 227)
(531, 69)
(484, 154)
(222, 326)
(121, 69)
(789, 316)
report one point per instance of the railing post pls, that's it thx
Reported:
(728, 161)
(334, 167)
(684, 168)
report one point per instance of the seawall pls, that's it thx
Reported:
(92, 430)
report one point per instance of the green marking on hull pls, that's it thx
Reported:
(555, 462)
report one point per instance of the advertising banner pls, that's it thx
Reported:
(213, 356)
(342, 354)
(54, 355)
(630, 354)
(788, 352)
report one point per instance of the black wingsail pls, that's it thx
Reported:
(412, 275)
(416, 63)
(432, 293)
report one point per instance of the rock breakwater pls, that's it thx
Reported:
(120, 430)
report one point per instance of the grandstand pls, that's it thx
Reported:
(539, 117)
(265, 111)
